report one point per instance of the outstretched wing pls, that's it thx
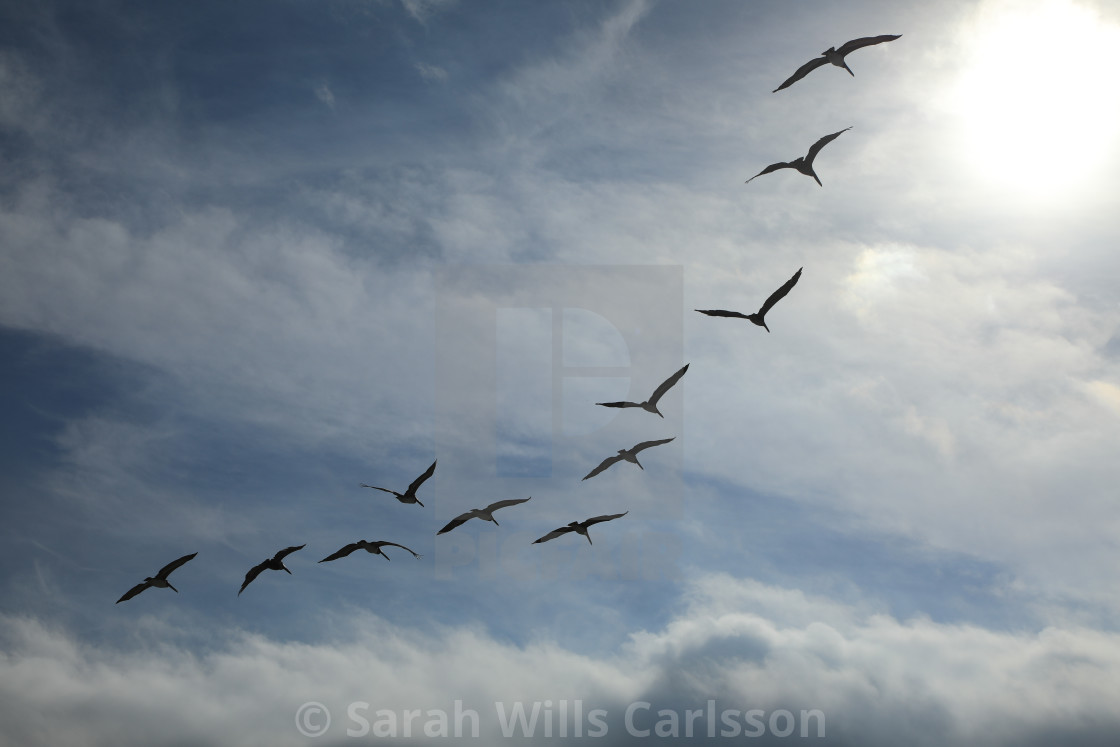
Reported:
(602, 466)
(667, 385)
(342, 553)
(770, 169)
(420, 480)
(647, 444)
(457, 521)
(133, 591)
(779, 294)
(383, 490)
(394, 544)
(554, 534)
(821, 143)
(721, 312)
(288, 551)
(802, 71)
(600, 519)
(618, 404)
(504, 504)
(167, 569)
(866, 41)
(252, 574)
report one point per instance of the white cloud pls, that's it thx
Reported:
(878, 680)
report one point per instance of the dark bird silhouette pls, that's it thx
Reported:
(650, 405)
(626, 455)
(275, 563)
(408, 496)
(836, 57)
(759, 317)
(159, 580)
(370, 547)
(804, 164)
(579, 527)
(486, 514)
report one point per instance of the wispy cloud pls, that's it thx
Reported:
(323, 93)
(431, 72)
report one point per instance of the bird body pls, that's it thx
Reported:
(579, 527)
(408, 496)
(373, 548)
(486, 514)
(650, 405)
(759, 317)
(275, 563)
(159, 580)
(626, 455)
(836, 57)
(802, 164)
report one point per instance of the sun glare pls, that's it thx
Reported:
(1038, 102)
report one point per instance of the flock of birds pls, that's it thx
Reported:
(802, 164)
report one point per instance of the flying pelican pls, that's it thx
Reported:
(275, 563)
(370, 547)
(626, 455)
(486, 514)
(408, 496)
(804, 164)
(759, 317)
(650, 405)
(159, 580)
(579, 527)
(836, 57)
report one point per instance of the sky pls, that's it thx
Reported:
(254, 255)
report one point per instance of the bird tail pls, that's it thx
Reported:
(171, 587)
(421, 504)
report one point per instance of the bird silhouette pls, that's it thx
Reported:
(759, 317)
(626, 455)
(650, 405)
(159, 580)
(803, 164)
(275, 563)
(370, 547)
(408, 496)
(486, 514)
(579, 527)
(836, 57)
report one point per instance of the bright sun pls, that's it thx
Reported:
(1038, 99)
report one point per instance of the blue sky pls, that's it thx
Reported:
(254, 255)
